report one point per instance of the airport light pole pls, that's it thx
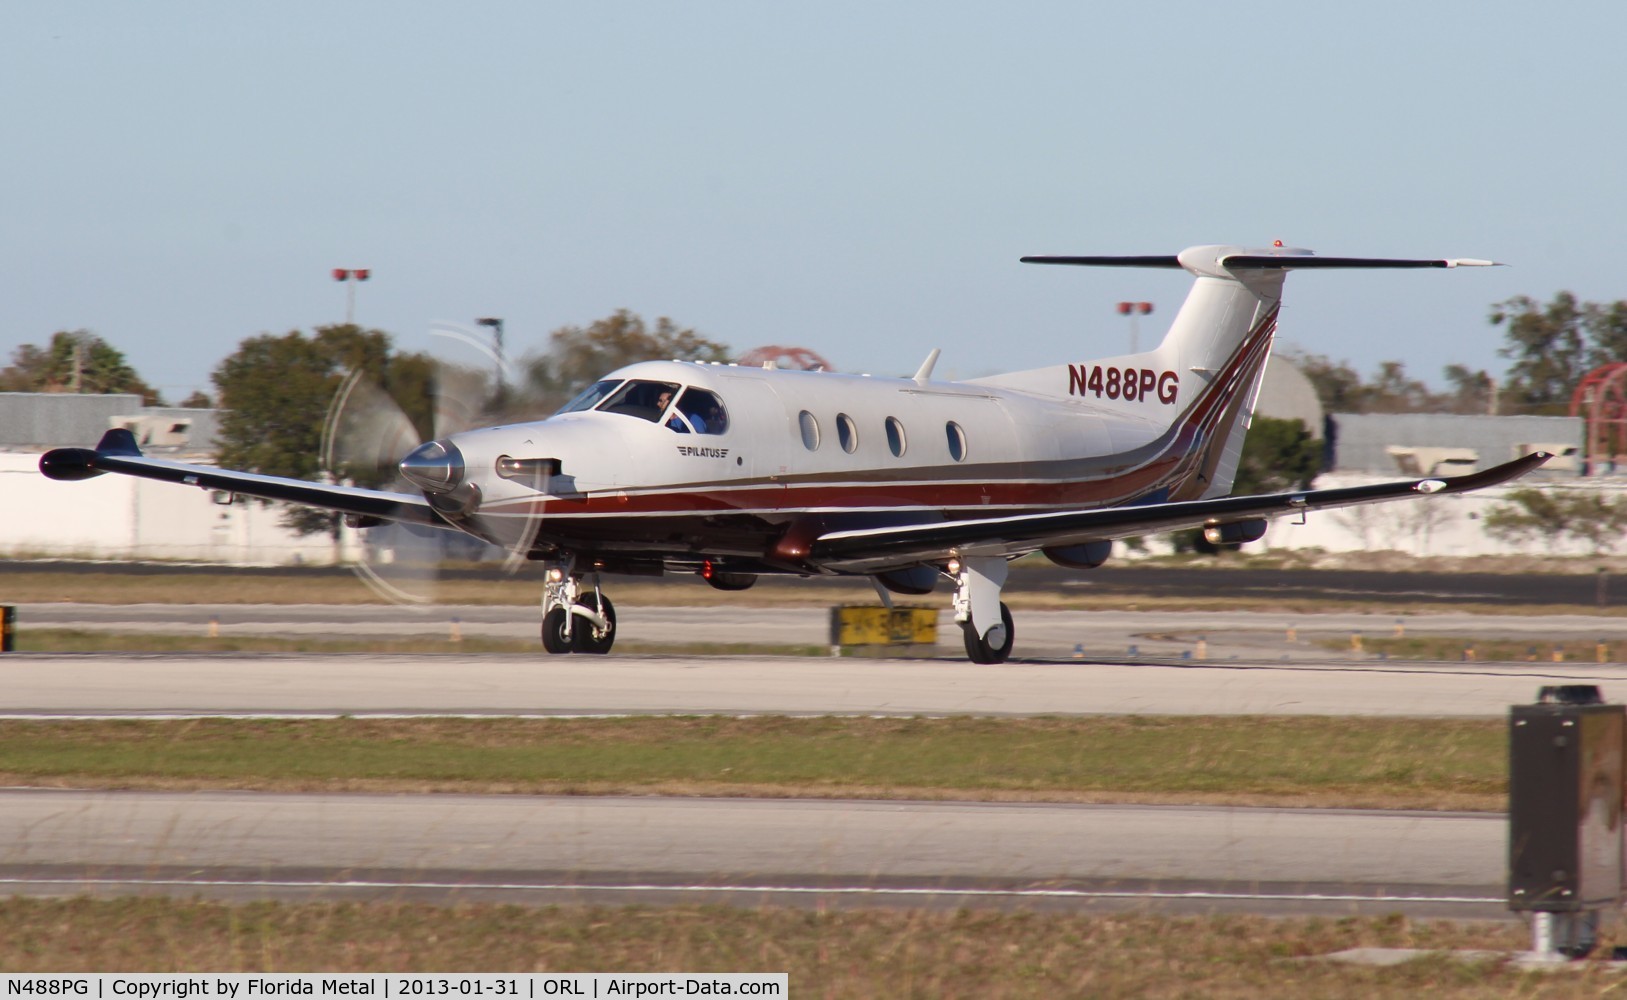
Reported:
(496, 325)
(1133, 309)
(351, 275)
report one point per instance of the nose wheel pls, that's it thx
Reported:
(575, 620)
(985, 621)
(994, 645)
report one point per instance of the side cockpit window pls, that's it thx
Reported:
(703, 411)
(638, 398)
(589, 397)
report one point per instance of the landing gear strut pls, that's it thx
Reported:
(985, 621)
(575, 620)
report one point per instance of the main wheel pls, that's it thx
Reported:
(554, 639)
(978, 650)
(587, 638)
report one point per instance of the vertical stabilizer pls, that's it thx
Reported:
(1196, 390)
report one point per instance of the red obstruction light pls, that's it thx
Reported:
(340, 274)
(362, 273)
(1143, 308)
(1125, 307)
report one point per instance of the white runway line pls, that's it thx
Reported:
(803, 890)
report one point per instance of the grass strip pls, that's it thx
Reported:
(1299, 761)
(827, 953)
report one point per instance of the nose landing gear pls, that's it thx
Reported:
(574, 620)
(985, 621)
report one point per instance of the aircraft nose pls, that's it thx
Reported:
(434, 467)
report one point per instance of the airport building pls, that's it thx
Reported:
(121, 517)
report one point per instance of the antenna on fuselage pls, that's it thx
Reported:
(925, 371)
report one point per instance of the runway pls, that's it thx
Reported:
(39, 684)
(751, 852)
(543, 849)
(1041, 634)
(1067, 662)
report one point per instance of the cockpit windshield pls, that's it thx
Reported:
(638, 398)
(698, 411)
(589, 397)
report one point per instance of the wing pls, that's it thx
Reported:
(118, 452)
(1019, 534)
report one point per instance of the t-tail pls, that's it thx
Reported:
(1197, 389)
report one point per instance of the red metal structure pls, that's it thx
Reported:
(1600, 400)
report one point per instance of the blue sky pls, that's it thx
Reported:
(859, 178)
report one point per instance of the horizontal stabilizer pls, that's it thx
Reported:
(1297, 263)
(1200, 259)
(1152, 260)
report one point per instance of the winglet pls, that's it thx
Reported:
(118, 441)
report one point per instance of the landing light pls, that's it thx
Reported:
(556, 575)
(953, 567)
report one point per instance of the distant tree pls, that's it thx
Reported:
(1598, 521)
(1470, 391)
(1338, 386)
(276, 392)
(578, 355)
(199, 400)
(1548, 350)
(1392, 391)
(1529, 513)
(1278, 455)
(1606, 326)
(1341, 389)
(74, 361)
(1591, 518)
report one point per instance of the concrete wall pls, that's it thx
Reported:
(1362, 441)
(1428, 526)
(34, 419)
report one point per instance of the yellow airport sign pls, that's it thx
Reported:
(874, 625)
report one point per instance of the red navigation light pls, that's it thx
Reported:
(1276, 243)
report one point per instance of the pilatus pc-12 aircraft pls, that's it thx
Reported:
(731, 472)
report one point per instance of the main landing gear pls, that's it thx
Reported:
(985, 621)
(575, 619)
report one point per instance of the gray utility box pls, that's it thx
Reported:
(1564, 806)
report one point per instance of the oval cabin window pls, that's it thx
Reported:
(810, 430)
(895, 437)
(957, 441)
(847, 432)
